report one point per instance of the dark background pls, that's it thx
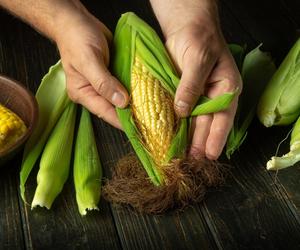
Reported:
(255, 209)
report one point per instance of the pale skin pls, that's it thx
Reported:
(193, 39)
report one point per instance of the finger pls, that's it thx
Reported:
(219, 130)
(200, 131)
(225, 78)
(107, 33)
(103, 109)
(104, 83)
(196, 69)
(89, 98)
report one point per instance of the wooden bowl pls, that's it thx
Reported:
(21, 101)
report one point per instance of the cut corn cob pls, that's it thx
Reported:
(87, 166)
(55, 160)
(12, 128)
(280, 102)
(142, 64)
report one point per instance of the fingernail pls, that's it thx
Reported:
(211, 157)
(118, 99)
(183, 108)
(212, 154)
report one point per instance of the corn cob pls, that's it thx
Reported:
(12, 128)
(142, 64)
(152, 108)
(87, 166)
(280, 103)
(55, 160)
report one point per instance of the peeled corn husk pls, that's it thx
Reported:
(52, 99)
(55, 160)
(293, 156)
(53, 138)
(256, 68)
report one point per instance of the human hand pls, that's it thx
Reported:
(82, 41)
(83, 46)
(200, 53)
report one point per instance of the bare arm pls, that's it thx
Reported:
(44, 15)
(82, 41)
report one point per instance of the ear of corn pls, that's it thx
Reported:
(55, 160)
(87, 166)
(52, 100)
(142, 64)
(256, 70)
(12, 128)
(280, 102)
(291, 157)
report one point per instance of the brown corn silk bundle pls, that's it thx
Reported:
(162, 177)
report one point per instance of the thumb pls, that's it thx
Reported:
(195, 71)
(104, 83)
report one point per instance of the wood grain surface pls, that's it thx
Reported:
(254, 209)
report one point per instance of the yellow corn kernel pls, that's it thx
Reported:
(153, 111)
(11, 128)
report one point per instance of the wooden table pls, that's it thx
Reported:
(255, 209)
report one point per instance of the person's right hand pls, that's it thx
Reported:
(83, 45)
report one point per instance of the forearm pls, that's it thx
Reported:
(172, 13)
(47, 16)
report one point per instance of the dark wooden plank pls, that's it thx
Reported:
(229, 225)
(266, 21)
(282, 34)
(63, 228)
(11, 236)
(27, 58)
(287, 180)
(292, 8)
(250, 211)
(186, 230)
(136, 231)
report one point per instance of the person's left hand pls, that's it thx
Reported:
(197, 47)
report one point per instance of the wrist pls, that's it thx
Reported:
(174, 15)
(70, 14)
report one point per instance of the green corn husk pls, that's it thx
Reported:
(87, 166)
(55, 160)
(134, 37)
(256, 68)
(52, 99)
(292, 157)
(280, 103)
